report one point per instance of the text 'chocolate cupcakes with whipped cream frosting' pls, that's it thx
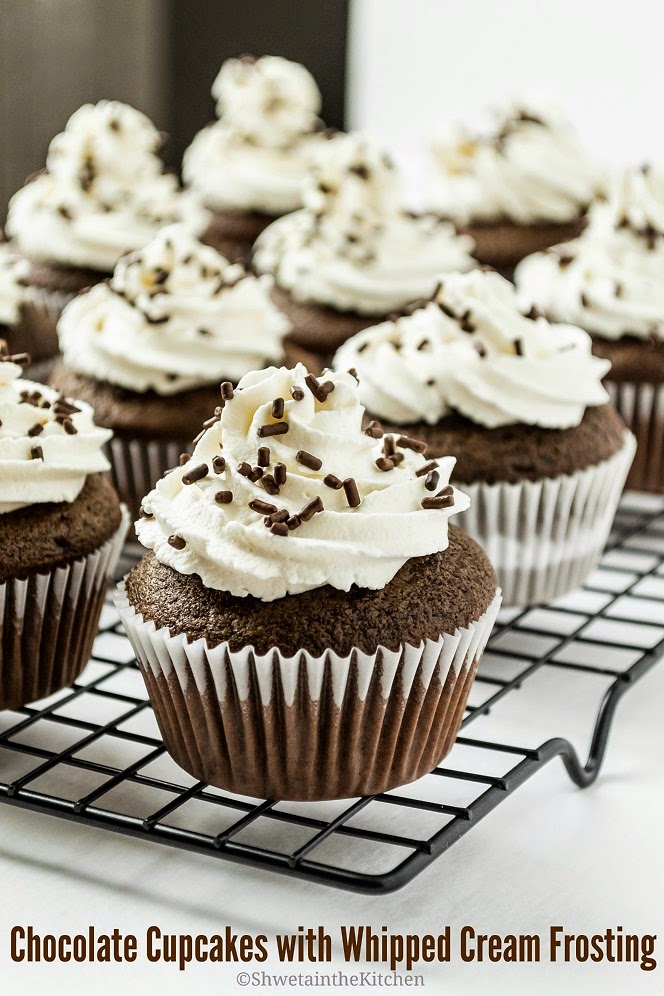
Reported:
(353, 254)
(103, 193)
(149, 350)
(61, 530)
(307, 626)
(248, 167)
(520, 404)
(516, 184)
(610, 281)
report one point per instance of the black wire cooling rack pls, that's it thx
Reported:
(92, 753)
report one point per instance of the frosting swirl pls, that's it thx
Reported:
(104, 191)
(283, 494)
(352, 246)
(175, 315)
(609, 281)
(13, 269)
(471, 350)
(525, 165)
(256, 156)
(48, 444)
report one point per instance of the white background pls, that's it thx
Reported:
(418, 64)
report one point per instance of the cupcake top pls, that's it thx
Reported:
(175, 315)
(48, 444)
(353, 247)
(471, 350)
(524, 165)
(104, 191)
(610, 281)
(13, 270)
(286, 493)
(255, 156)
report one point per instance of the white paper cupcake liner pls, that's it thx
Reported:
(137, 465)
(642, 409)
(49, 620)
(544, 537)
(306, 727)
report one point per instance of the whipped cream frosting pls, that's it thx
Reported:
(255, 157)
(13, 270)
(524, 165)
(175, 315)
(48, 444)
(471, 350)
(285, 493)
(610, 281)
(352, 246)
(104, 191)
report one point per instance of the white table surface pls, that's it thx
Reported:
(551, 853)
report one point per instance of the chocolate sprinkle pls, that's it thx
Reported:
(270, 484)
(276, 429)
(427, 468)
(279, 529)
(223, 497)
(406, 442)
(319, 391)
(280, 473)
(374, 429)
(333, 482)
(518, 347)
(227, 391)
(36, 429)
(444, 501)
(176, 542)
(297, 394)
(278, 408)
(184, 458)
(385, 463)
(431, 480)
(352, 494)
(293, 522)
(264, 507)
(263, 458)
(195, 474)
(308, 460)
(218, 464)
(310, 509)
(37, 453)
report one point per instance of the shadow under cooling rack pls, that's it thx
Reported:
(93, 754)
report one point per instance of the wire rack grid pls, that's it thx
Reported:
(93, 754)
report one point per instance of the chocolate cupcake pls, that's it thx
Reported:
(248, 166)
(353, 255)
(149, 349)
(611, 283)
(104, 192)
(306, 626)
(520, 403)
(61, 530)
(517, 184)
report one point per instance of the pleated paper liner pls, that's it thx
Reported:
(48, 622)
(642, 409)
(137, 465)
(544, 537)
(303, 727)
